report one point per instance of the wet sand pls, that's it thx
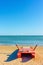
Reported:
(8, 56)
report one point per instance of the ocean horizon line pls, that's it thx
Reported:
(21, 35)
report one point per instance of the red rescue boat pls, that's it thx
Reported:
(26, 52)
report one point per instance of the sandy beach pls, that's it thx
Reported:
(7, 55)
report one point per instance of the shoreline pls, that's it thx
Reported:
(19, 45)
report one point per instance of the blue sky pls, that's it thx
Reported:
(21, 17)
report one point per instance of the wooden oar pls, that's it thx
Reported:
(35, 47)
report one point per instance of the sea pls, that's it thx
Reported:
(22, 40)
